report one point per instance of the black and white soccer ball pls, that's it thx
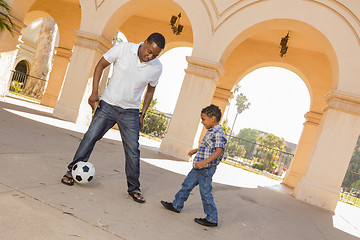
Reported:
(83, 172)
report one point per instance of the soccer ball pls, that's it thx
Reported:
(83, 172)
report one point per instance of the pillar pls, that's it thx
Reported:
(332, 150)
(8, 52)
(57, 75)
(300, 162)
(196, 92)
(43, 58)
(72, 104)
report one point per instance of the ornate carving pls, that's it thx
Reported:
(205, 69)
(342, 101)
(92, 41)
(98, 3)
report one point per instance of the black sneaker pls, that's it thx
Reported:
(169, 206)
(205, 222)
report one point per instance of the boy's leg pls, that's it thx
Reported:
(187, 186)
(205, 186)
(102, 121)
(129, 126)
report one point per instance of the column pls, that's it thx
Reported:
(42, 60)
(72, 105)
(300, 162)
(57, 75)
(8, 52)
(196, 92)
(332, 150)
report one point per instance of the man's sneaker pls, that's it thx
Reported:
(169, 206)
(205, 222)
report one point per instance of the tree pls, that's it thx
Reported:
(5, 20)
(269, 148)
(247, 137)
(155, 122)
(241, 104)
(225, 127)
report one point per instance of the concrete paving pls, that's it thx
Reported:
(35, 149)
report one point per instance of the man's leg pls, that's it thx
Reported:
(205, 186)
(102, 121)
(187, 186)
(129, 126)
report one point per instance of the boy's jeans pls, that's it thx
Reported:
(128, 121)
(203, 177)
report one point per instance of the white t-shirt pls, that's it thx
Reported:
(130, 76)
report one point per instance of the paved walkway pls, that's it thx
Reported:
(35, 149)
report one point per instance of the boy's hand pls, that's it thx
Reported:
(200, 164)
(191, 152)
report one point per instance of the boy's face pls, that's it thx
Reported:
(207, 121)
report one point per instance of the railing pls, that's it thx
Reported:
(350, 190)
(256, 156)
(27, 85)
(156, 123)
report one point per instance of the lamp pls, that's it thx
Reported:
(175, 24)
(283, 44)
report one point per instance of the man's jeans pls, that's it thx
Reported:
(128, 121)
(203, 177)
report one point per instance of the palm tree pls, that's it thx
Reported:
(5, 20)
(241, 104)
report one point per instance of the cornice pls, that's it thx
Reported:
(343, 102)
(92, 41)
(204, 68)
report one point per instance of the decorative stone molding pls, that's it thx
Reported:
(343, 102)
(223, 94)
(18, 25)
(92, 41)
(63, 52)
(205, 69)
(313, 118)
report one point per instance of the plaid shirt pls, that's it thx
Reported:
(214, 138)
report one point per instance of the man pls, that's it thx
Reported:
(136, 67)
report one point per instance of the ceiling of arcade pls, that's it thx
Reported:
(305, 57)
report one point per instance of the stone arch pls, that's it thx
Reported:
(137, 21)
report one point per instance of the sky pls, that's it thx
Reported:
(278, 97)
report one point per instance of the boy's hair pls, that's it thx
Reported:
(212, 110)
(158, 38)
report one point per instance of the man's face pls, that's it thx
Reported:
(148, 51)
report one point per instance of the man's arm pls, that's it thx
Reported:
(214, 156)
(147, 100)
(94, 97)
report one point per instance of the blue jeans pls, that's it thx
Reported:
(203, 177)
(128, 121)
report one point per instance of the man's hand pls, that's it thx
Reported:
(93, 101)
(141, 121)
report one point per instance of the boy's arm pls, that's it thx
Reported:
(214, 156)
(191, 152)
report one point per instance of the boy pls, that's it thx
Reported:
(208, 156)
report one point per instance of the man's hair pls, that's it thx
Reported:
(212, 110)
(157, 38)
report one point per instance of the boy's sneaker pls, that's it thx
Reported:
(205, 222)
(169, 206)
